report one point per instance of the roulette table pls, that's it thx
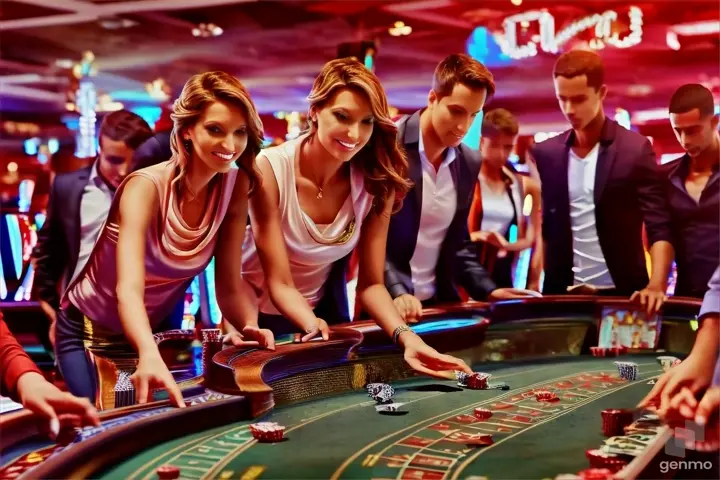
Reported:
(333, 429)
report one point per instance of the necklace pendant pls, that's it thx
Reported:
(319, 195)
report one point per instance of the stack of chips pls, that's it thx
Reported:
(380, 392)
(212, 342)
(614, 421)
(627, 370)
(462, 378)
(599, 351)
(667, 362)
(596, 474)
(600, 459)
(267, 431)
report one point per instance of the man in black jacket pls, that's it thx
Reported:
(600, 184)
(78, 206)
(428, 249)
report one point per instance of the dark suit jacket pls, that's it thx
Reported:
(457, 262)
(155, 149)
(58, 246)
(628, 191)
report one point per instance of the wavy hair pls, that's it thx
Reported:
(199, 93)
(382, 162)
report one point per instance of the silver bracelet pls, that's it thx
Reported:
(398, 331)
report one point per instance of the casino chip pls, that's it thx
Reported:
(627, 370)
(614, 421)
(391, 409)
(667, 361)
(600, 459)
(462, 378)
(380, 392)
(596, 474)
(546, 396)
(168, 472)
(476, 381)
(267, 431)
(483, 413)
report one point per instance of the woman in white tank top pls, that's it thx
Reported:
(498, 200)
(324, 194)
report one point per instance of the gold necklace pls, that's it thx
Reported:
(319, 195)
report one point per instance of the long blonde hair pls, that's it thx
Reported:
(382, 162)
(199, 93)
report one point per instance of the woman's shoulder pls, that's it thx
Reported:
(284, 151)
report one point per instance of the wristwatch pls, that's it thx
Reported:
(398, 331)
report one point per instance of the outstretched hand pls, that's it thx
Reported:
(57, 407)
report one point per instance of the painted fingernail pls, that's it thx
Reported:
(54, 427)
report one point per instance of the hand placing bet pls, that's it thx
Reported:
(251, 337)
(57, 407)
(320, 327)
(151, 374)
(695, 373)
(425, 359)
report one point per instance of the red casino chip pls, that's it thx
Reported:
(614, 421)
(600, 459)
(267, 432)
(599, 351)
(478, 381)
(483, 413)
(596, 474)
(546, 396)
(168, 472)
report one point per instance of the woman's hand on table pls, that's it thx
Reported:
(152, 373)
(694, 374)
(251, 336)
(425, 359)
(320, 327)
(510, 293)
(57, 407)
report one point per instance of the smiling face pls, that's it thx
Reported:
(452, 115)
(219, 136)
(579, 102)
(344, 123)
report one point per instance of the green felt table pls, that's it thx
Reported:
(344, 437)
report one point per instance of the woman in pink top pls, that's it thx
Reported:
(323, 195)
(165, 224)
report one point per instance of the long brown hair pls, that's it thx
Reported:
(382, 163)
(199, 93)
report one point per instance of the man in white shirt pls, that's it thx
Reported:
(600, 184)
(428, 249)
(78, 206)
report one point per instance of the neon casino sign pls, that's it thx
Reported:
(550, 41)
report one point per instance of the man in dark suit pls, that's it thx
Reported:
(600, 183)
(154, 150)
(693, 189)
(428, 250)
(78, 206)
